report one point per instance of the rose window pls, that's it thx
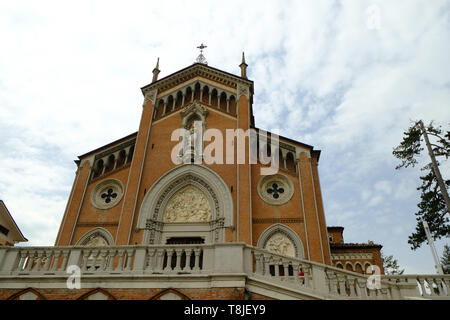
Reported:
(107, 194)
(275, 189)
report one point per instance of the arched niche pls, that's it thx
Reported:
(214, 192)
(96, 237)
(170, 294)
(97, 294)
(281, 239)
(27, 294)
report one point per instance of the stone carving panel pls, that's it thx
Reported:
(188, 205)
(279, 243)
(96, 241)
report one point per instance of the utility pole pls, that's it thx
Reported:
(436, 171)
(433, 249)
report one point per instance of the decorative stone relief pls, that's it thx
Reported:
(107, 194)
(283, 240)
(188, 205)
(279, 243)
(153, 209)
(275, 189)
(96, 241)
(186, 179)
(190, 110)
(243, 89)
(150, 96)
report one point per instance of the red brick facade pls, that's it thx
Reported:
(149, 159)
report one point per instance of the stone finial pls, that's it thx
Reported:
(243, 67)
(156, 71)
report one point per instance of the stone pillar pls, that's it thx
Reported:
(311, 219)
(320, 211)
(130, 197)
(244, 193)
(139, 260)
(74, 205)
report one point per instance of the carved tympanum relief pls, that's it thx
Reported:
(188, 205)
(96, 241)
(279, 243)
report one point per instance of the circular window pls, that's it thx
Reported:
(275, 189)
(107, 194)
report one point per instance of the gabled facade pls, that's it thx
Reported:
(122, 190)
(185, 209)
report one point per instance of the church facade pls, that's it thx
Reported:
(189, 204)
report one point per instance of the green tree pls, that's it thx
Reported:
(445, 260)
(390, 265)
(433, 205)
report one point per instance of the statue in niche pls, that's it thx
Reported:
(280, 244)
(192, 140)
(188, 205)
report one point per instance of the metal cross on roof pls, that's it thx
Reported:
(201, 58)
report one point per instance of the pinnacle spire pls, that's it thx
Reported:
(243, 66)
(156, 71)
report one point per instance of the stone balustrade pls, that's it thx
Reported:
(102, 260)
(225, 261)
(422, 286)
(328, 281)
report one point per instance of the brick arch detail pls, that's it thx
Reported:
(102, 232)
(170, 290)
(16, 295)
(205, 179)
(94, 291)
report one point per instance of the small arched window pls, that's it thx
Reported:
(290, 163)
(223, 101)
(214, 98)
(205, 95)
(232, 105)
(197, 91)
(98, 168)
(188, 96)
(121, 159)
(110, 163)
(130, 154)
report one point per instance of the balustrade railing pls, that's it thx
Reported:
(425, 286)
(303, 276)
(176, 259)
(332, 282)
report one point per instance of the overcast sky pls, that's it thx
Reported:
(345, 77)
